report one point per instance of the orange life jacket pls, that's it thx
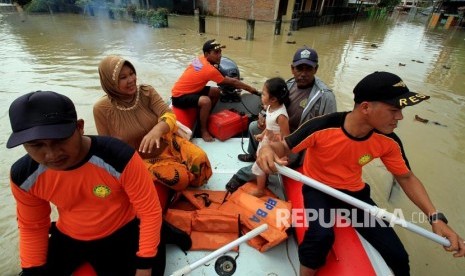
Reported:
(213, 221)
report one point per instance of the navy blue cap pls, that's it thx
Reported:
(41, 115)
(306, 56)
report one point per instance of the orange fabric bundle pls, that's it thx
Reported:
(181, 164)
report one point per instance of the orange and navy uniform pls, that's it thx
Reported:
(196, 76)
(336, 158)
(103, 193)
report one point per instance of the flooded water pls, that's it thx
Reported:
(62, 52)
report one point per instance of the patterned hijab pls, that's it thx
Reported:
(109, 69)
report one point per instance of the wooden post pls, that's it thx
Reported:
(202, 24)
(434, 20)
(295, 21)
(451, 20)
(294, 24)
(277, 25)
(250, 29)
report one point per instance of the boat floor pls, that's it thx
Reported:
(279, 260)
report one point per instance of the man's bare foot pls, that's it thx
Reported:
(207, 136)
(257, 193)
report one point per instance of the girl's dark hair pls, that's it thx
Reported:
(277, 88)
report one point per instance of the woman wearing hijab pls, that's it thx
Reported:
(138, 115)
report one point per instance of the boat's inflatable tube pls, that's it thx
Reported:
(187, 117)
(348, 256)
(85, 270)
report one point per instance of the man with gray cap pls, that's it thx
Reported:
(310, 97)
(109, 214)
(337, 147)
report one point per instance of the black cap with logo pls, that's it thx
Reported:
(212, 45)
(388, 88)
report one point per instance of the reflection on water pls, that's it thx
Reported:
(62, 52)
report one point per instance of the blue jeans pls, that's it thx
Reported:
(253, 143)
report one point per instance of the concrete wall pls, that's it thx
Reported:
(263, 10)
(6, 7)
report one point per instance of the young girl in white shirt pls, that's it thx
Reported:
(275, 99)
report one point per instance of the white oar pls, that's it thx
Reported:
(221, 250)
(373, 210)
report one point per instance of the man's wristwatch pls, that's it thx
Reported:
(437, 216)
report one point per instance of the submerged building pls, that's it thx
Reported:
(301, 13)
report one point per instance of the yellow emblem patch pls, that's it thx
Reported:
(102, 191)
(364, 159)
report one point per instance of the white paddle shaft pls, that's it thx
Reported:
(373, 210)
(220, 251)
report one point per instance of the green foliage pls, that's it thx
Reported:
(131, 10)
(51, 6)
(87, 6)
(140, 16)
(389, 4)
(158, 18)
(155, 18)
(163, 11)
(377, 13)
(83, 3)
(121, 12)
(382, 10)
(40, 6)
(117, 12)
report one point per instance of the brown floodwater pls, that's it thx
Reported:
(62, 52)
